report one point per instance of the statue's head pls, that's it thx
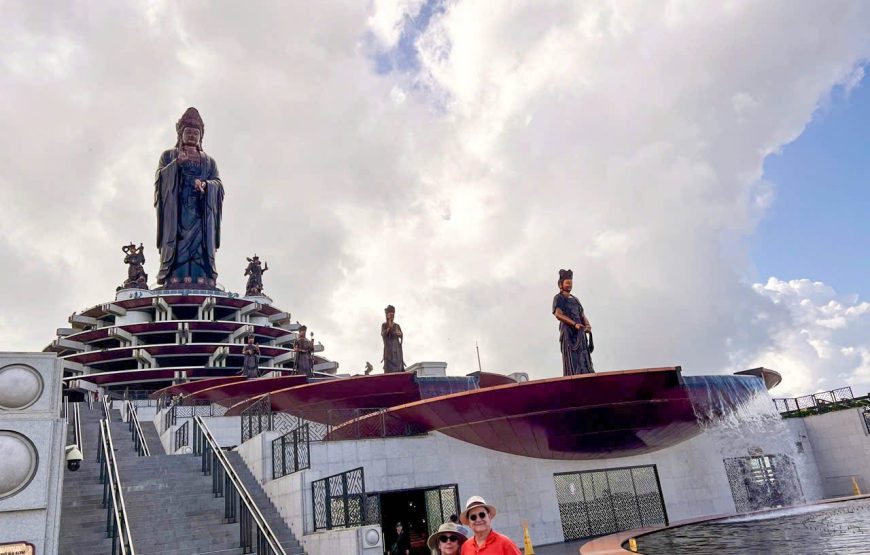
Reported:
(566, 280)
(390, 312)
(302, 330)
(190, 129)
(250, 340)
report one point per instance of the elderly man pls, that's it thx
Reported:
(478, 514)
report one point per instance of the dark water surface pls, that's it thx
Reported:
(841, 528)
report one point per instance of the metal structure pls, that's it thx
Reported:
(117, 525)
(291, 452)
(182, 436)
(340, 501)
(441, 503)
(757, 482)
(820, 403)
(136, 433)
(256, 536)
(598, 502)
(77, 428)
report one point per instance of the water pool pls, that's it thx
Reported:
(841, 527)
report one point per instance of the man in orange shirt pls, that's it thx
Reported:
(478, 514)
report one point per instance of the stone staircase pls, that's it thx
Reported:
(82, 516)
(170, 505)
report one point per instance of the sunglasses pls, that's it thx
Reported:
(445, 539)
(481, 516)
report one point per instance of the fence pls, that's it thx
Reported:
(291, 452)
(340, 501)
(866, 415)
(378, 423)
(819, 403)
(191, 409)
(182, 436)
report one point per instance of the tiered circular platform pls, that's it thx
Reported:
(146, 339)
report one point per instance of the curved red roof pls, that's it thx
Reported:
(241, 390)
(604, 415)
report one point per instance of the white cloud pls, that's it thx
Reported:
(624, 141)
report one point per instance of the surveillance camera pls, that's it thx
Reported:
(73, 457)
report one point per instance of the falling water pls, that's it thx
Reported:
(756, 446)
(435, 386)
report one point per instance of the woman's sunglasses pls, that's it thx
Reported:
(445, 539)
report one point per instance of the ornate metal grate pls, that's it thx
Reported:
(290, 452)
(760, 482)
(340, 501)
(598, 502)
(441, 502)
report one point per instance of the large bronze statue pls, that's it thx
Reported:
(251, 354)
(391, 332)
(135, 259)
(255, 271)
(303, 348)
(575, 331)
(189, 196)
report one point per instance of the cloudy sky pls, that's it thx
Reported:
(693, 162)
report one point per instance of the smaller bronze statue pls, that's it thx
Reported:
(251, 353)
(575, 331)
(391, 332)
(255, 271)
(303, 348)
(135, 260)
(368, 369)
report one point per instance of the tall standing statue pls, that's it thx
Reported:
(255, 271)
(251, 354)
(391, 332)
(303, 348)
(189, 196)
(135, 259)
(573, 328)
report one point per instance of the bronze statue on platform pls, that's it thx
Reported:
(189, 196)
(135, 260)
(391, 332)
(255, 271)
(575, 331)
(303, 348)
(251, 354)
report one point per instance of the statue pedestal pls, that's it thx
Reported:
(428, 369)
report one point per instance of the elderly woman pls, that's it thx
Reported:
(447, 540)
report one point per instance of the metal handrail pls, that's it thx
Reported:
(77, 428)
(136, 434)
(203, 442)
(106, 409)
(117, 525)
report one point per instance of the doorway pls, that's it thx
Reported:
(421, 511)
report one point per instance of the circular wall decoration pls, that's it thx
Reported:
(18, 462)
(20, 387)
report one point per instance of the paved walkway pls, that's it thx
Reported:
(569, 548)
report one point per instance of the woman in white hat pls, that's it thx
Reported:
(478, 514)
(447, 540)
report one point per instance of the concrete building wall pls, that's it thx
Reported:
(692, 477)
(841, 446)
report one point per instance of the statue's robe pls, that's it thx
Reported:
(574, 344)
(304, 359)
(251, 365)
(394, 358)
(188, 223)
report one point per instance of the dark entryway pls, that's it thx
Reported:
(761, 482)
(598, 502)
(420, 511)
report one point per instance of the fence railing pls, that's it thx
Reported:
(190, 409)
(819, 403)
(136, 434)
(291, 452)
(77, 428)
(866, 415)
(107, 408)
(255, 533)
(182, 436)
(117, 525)
(259, 417)
(340, 501)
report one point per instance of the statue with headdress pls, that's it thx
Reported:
(189, 196)
(303, 347)
(575, 331)
(255, 271)
(134, 257)
(391, 332)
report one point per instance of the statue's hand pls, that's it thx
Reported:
(199, 185)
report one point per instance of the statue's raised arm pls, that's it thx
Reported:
(188, 196)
